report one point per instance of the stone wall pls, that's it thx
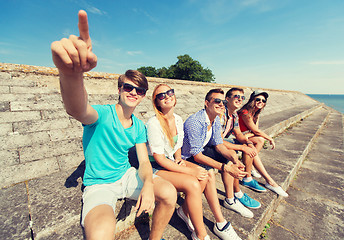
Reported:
(38, 138)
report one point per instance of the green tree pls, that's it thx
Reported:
(188, 69)
(148, 71)
(185, 68)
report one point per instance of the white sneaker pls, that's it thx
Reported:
(238, 207)
(227, 232)
(277, 190)
(255, 173)
(194, 237)
(187, 220)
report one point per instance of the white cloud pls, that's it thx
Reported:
(134, 53)
(95, 10)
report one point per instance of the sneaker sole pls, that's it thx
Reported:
(255, 189)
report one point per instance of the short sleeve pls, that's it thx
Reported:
(155, 136)
(141, 132)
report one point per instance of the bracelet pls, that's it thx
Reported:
(223, 167)
(249, 143)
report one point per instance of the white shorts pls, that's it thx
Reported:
(129, 186)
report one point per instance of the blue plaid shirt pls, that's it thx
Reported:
(195, 131)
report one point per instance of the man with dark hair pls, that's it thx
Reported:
(203, 145)
(109, 132)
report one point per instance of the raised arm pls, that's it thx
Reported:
(73, 57)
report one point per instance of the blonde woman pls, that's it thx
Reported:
(165, 139)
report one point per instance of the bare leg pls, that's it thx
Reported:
(248, 161)
(166, 197)
(228, 182)
(210, 193)
(192, 205)
(100, 223)
(258, 164)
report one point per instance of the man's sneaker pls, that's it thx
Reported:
(236, 206)
(277, 190)
(187, 220)
(249, 202)
(255, 173)
(194, 236)
(226, 233)
(253, 184)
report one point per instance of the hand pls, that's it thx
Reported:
(146, 200)
(240, 165)
(200, 173)
(251, 151)
(234, 171)
(272, 143)
(74, 55)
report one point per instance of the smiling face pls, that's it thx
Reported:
(235, 100)
(213, 108)
(169, 100)
(129, 99)
(260, 101)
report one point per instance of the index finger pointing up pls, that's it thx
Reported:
(83, 28)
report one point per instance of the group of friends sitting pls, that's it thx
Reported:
(174, 156)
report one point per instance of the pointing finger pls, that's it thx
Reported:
(83, 28)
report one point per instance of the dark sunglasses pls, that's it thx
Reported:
(218, 101)
(139, 90)
(163, 95)
(238, 97)
(260, 99)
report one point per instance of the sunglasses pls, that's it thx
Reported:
(163, 95)
(238, 97)
(139, 90)
(260, 99)
(218, 101)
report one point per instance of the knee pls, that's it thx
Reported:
(102, 228)
(260, 141)
(211, 176)
(193, 186)
(166, 194)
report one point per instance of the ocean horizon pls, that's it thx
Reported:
(335, 101)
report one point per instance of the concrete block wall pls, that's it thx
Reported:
(38, 138)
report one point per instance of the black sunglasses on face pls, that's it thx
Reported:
(238, 97)
(139, 90)
(218, 101)
(260, 99)
(163, 95)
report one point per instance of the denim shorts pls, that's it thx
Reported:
(212, 153)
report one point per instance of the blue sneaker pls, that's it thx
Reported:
(253, 184)
(249, 202)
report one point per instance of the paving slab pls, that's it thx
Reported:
(315, 207)
(56, 205)
(15, 216)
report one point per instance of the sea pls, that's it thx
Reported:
(335, 101)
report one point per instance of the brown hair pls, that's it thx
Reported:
(135, 76)
(229, 92)
(250, 105)
(214, 90)
(160, 116)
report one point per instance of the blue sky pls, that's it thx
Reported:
(290, 44)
